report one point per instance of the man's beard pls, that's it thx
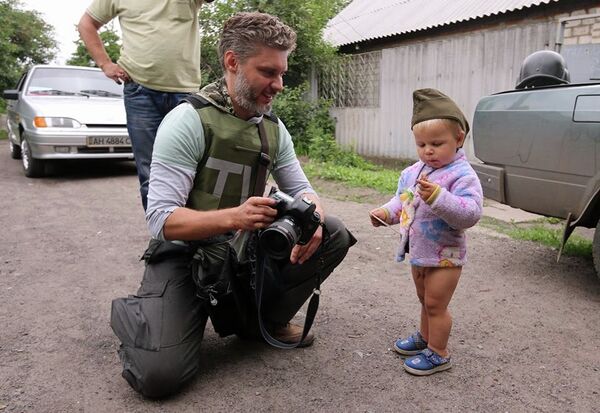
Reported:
(246, 97)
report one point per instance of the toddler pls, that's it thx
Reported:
(438, 197)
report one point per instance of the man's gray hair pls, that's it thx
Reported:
(243, 33)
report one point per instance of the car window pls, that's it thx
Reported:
(72, 82)
(21, 82)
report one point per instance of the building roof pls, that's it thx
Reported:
(365, 20)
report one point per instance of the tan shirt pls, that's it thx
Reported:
(160, 40)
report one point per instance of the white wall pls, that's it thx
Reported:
(465, 66)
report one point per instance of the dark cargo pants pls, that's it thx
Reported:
(161, 327)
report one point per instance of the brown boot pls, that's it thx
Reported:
(291, 334)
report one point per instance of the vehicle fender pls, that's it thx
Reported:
(589, 214)
(588, 209)
(492, 180)
(588, 217)
(19, 137)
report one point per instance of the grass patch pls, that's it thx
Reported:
(3, 134)
(542, 234)
(378, 178)
(576, 245)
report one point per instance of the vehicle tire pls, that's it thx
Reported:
(15, 150)
(596, 249)
(34, 168)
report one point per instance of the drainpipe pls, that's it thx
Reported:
(560, 30)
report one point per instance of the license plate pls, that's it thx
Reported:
(108, 141)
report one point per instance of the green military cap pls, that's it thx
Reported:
(433, 104)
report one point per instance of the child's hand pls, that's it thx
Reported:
(378, 213)
(425, 188)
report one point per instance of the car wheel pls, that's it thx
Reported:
(15, 150)
(596, 249)
(34, 168)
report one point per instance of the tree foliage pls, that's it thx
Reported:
(112, 44)
(25, 40)
(303, 118)
(308, 19)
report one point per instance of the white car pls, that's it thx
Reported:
(65, 112)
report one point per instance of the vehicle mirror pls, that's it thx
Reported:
(11, 94)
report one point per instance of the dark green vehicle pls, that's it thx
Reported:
(540, 146)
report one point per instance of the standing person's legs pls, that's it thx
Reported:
(145, 109)
(298, 280)
(161, 327)
(143, 118)
(413, 344)
(440, 284)
(418, 274)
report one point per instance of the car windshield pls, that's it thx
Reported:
(72, 82)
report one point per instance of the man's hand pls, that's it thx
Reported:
(378, 213)
(115, 72)
(88, 30)
(256, 213)
(301, 253)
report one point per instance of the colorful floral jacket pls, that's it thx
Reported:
(435, 232)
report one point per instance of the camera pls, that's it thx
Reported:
(295, 223)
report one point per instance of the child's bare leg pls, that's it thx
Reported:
(418, 274)
(440, 284)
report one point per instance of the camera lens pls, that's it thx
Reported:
(280, 237)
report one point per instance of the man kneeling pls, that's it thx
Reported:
(210, 161)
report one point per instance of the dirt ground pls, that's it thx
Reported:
(526, 329)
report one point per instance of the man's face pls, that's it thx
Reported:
(259, 78)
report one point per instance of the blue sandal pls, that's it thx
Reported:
(427, 362)
(410, 346)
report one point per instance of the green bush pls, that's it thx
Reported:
(313, 133)
(321, 145)
(303, 118)
(313, 129)
(324, 148)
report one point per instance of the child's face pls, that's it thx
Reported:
(437, 144)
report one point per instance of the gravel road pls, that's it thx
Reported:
(526, 329)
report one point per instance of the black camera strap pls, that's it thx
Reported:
(261, 258)
(263, 161)
(311, 311)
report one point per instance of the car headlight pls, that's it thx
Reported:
(47, 122)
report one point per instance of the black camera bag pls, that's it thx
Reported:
(224, 283)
